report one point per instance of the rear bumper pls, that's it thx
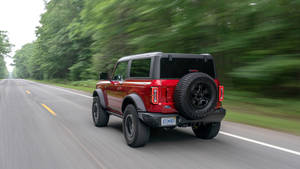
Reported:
(155, 119)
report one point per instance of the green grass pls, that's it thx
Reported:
(87, 85)
(242, 107)
(280, 124)
(257, 110)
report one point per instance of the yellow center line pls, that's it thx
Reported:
(27, 91)
(49, 110)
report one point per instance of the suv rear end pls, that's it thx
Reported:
(168, 69)
(161, 90)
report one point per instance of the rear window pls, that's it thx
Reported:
(140, 68)
(178, 67)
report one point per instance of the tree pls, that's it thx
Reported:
(5, 48)
(60, 49)
(26, 62)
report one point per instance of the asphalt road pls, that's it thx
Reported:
(47, 127)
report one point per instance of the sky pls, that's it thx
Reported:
(20, 19)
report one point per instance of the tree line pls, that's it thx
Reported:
(5, 47)
(255, 42)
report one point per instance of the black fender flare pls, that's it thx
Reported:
(100, 94)
(136, 100)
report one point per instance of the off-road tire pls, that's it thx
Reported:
(183, 95)
(206, 131)
(138, 134)
(100, 116)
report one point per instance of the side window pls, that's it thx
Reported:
(121, 71)
(140, 68)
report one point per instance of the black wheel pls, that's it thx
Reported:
(206, 131)
(136, 133)
(195, 95)
(100, 116)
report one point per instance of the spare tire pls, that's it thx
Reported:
(195, 95)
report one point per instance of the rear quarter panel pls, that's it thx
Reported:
(143, 89)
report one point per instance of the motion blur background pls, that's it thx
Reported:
(255, 43)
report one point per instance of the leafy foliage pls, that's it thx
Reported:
(5, 48)
(255, 43)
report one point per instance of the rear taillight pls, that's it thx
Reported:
(154, 95)
(221, 93)
(217, 82)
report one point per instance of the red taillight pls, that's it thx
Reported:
(221, 93)
(154, 95)
(217, 82)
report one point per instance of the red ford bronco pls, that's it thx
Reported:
(161, 90)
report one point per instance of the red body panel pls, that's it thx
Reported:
(116, 91)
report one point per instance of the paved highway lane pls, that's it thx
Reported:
(44, 126)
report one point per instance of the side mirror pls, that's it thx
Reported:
(103, 76)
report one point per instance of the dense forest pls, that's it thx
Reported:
(5, 47)
(255, 42)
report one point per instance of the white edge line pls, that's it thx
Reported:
(261, 143)
(64, 90)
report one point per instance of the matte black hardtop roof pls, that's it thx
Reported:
(161, 54)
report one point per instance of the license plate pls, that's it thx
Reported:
(168, 121)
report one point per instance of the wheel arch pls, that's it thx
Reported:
(134, 99)
(100, 94)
